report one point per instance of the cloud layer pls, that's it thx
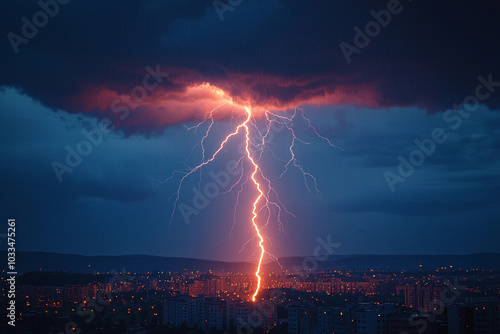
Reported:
(267, 54)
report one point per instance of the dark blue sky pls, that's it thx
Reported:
(407, 86)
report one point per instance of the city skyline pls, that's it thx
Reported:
(395, 123)
(340, 301)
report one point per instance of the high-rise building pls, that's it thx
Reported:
(211, 312)
(475, 316)
(301, 319)
(179, 310)
(421, 297)
(237, 314)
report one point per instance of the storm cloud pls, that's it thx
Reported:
(269, 54)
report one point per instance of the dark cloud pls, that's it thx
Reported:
(275, 54)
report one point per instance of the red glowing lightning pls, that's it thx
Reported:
(270, 194)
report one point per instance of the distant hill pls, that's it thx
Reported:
(487, 261)
(35, 261)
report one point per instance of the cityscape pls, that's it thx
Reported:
(421, 300)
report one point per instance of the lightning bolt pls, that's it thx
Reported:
(255, 203)
(266, 198)
(256, 169)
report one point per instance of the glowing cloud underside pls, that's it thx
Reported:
(267, 200)
(162, 107)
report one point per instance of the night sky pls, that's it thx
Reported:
(407, 92)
